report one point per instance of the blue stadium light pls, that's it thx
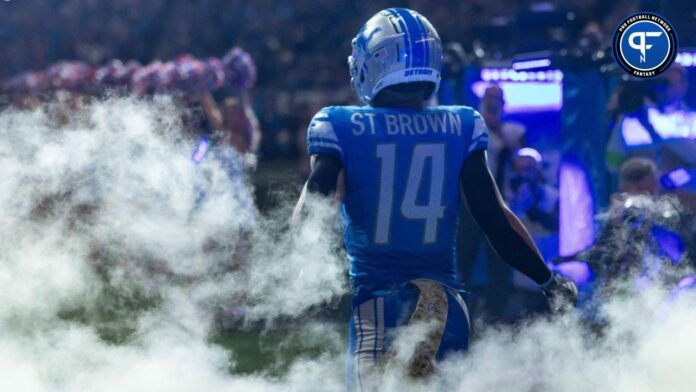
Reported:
(670, 243)
(526, 96)
(669, 126)
(676, 178)
(201, 150)
(687, 59)
(509, 74)
(535, 64)
(687, 282)
(576, 209)
(529, 152)
(525, 91)
(579, 271)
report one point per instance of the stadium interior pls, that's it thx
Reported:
(151, 152)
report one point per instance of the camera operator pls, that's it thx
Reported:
(639, 237)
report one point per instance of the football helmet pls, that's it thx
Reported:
(397, 45)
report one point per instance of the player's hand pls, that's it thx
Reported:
(562, 294)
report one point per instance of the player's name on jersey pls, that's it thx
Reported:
(371, 123)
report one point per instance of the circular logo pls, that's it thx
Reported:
(645, 45)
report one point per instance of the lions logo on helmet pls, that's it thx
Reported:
(395, 46)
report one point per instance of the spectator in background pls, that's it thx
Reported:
(638, 176)
(505, 137)
(236, 121)
(536, 203)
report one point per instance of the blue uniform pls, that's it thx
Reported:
(401, 207)
(402, 196)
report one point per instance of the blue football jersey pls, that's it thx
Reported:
(402, 197)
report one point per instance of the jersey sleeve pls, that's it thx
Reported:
(479, 136)
(322, 137)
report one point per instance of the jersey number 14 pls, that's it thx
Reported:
(431, 212)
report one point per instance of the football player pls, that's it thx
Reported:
(403, 170)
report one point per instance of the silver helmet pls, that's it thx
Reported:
(397, 45)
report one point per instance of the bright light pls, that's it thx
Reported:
(576, 207)
(529, 152)
(505, 74)
(526, 96)
(531, 64)
(687, 59)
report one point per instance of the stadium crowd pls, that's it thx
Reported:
(296, 72)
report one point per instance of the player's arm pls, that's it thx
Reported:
(505, 231)
(327, 160)
(326, 170)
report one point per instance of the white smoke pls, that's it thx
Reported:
(638, 351)
(119, 258)
(120, 255)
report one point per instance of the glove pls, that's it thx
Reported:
(561, 292)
